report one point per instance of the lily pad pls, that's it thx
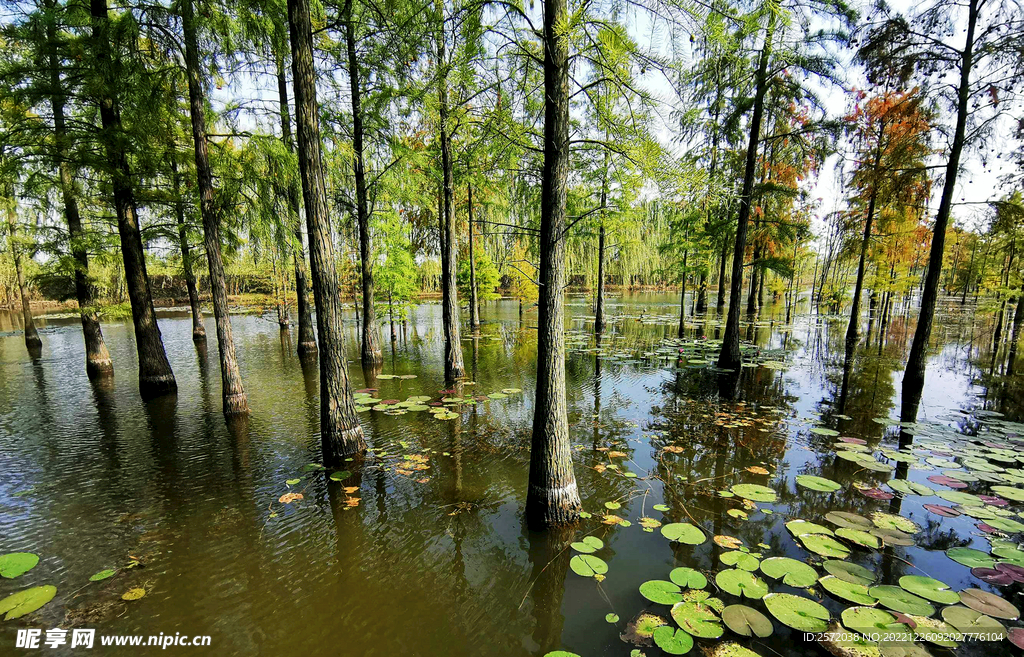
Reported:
(820, 484)
(855, 593)
(848, 571)
(133, 594)
(862, 538)
(909, 487)
(697, 619)
(688, 577)
(731, 650)
(901, 600)
(587, 544)
(683, 532)
(850, 520)
(14, 564)
(587, 565)
(934, 631)
(1009, 492)
(26, 601)
(970, 621)
(989, 604)
(801, 527)
(796, 612)
(825, 546)
(747, 621)
(103, 574)
(661, 592)
(673, 641)
(869, 621)
(930, 589)
(755, 492)
(793, 572)
(640, 630)
(742, 560)
(970, 557)
(893, 521)
(741, 583)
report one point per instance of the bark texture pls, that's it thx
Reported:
(340, 433)
(552, 497)
(198, 325)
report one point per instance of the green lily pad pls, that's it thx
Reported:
(862, 538)
(26, 601)
(587, 544)
(855, 593)
(796, 612)
(611, 618)
(848, 571)
(688, 577)
(587, 565)
(869, 621)
(1009, 492)
(672, 641)
(698, 619)
(909, 487)
(901, 600)
(103, 574)
(934, 631)
(801, 527)
(683, 532)
(989, 604)
(970, 621)
(1007, 525)
(820, 484)
(729, 650)
(930, 589)
(742, 560)
(824, 431)
(970, 557)
(340, 475)
(961, 498)
(893, 536)
(660, 507)
(14, 564)
(849, 520)
(793, 572)
(825, 546)
(893, 521)
(560, 653)
(661, 592)
(747, 621)
(755, 492)
(741, 583)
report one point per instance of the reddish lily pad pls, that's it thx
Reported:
(940, 510)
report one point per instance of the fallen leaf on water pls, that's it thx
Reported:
(288, 498)
(729, 542)
(133, 594)
(756, 469)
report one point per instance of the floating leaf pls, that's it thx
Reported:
(989, 604)
(933, 630)
(970, 621)
(823, 431)
(961, 498)
(660, 507)
(728, 542)
(909, 487)
(944, 511)
(288, 498)
(862, 538)
(820, 484)
(587, 544)
(893, 521)
(731, 650)
(103, 574)
(855, 593)
(587, 565)
(747, 621)
(850, 520)
(756, 469)
(901, 600)
(754, 492)
(133, 594)
(688, 577)
(826, 546)
(798, 613)
(341, 475)
(611, 618)
(1009, 492)
(697, 619)
(741, 583)
(849, 572)
(661, 592)
(970, 557)
(930, 589)
(793, 572)
(560, 653)
(683, 532)
(673, 641)
(14, 564)
(869, 621)
(801, 527)
(640, 630)
(292, 482)
(742, 560)
(26, 601)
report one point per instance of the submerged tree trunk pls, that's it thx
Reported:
(371, 351)
(1018, 321)
(235, 400)
(702, 293)
(730, 357)
(307, 340)
(32, 341)
(453, 366)
(97, 357)
(340, 433)
(474, 304)
(198, 327)
(155, 375)
(552, 497)
(599, 322)
(913, 377)
(858, 289)
(682, 299)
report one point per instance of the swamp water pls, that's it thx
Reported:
(422, 550)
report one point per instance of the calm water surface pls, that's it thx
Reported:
(437, 561)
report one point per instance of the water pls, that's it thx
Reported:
(438, 561)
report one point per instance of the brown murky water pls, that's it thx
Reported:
(437, 560)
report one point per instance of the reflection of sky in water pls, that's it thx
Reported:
(444, 566)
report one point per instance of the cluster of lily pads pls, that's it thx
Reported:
(444, 409)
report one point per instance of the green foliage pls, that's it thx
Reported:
(487, 277)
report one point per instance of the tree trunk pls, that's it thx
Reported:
(307, 340)
(32, 341)
(702, 293)
(198, 327)
(552, 497)
(752, 292)
(340, 433)
(97, 358)
(155, 375)
(235, 400)
(852, 330)
(682, 299)
(371, 351)
(453, 366)
(474, 304)
(1018, 320)
(723, 259)
(599, 322)
(730, 357)
(913, 378)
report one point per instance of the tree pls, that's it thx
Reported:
(396, 275)
(340, 432)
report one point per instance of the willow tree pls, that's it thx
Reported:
(340, 432)
(973, 76)
(235, 400)
(110, 77)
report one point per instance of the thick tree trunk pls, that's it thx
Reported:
(198, 325)
(307, 340)
(235, 400)
(858, 289)
(155, 375)
(730, 357)
(474, 303)
(702, 293)
(340, 433)
(552, 497)
(1018, 321)
(913, 378)
(32, 341)
(371, 351)
(97, 358)
(453, 365)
